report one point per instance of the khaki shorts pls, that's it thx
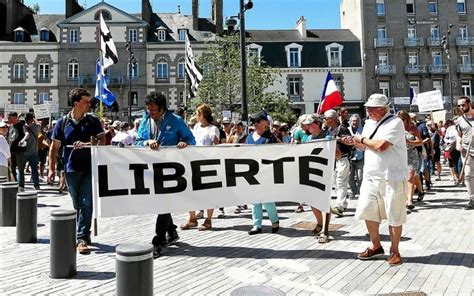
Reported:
(381, 199)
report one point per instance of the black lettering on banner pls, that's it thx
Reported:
(198, 174)
(104, 190)
(306, 170)
(278, 175)
(159, 177)
(231, 174)
(138, 174)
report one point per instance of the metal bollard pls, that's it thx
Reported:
(3, 179)
(63, 244)
(26, 216)
(134, 269)
(8, 191)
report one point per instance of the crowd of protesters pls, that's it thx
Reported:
(362, 145)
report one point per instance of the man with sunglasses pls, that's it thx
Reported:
(464, 145)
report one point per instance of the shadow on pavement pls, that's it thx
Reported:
(99, 248)
(47, 206)
(94, 275)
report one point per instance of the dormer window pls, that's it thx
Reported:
(334, 53)
(105, 14)
(161, 34)
(254, 54)
(44, 34)
(19, 34)
(293, 55)
(182, 34)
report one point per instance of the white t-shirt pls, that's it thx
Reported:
(123, 137)
(4, 152)
(451, 134)
(391, 164)
(205, 135)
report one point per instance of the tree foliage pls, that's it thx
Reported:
(36, 8)
(221, 87)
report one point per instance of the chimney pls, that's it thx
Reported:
(195, 15)
(301, 26)
(147, 11)
(72, 7)
(218, 15)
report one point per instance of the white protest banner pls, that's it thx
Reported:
(226, 113)
(438, 116)
(429, 101)
(18, 108)
(131, 181)
(401, 100)
(52, 106)
(41, 111)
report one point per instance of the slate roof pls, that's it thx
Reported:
(176, 21)
(294, 36)
(49, 21)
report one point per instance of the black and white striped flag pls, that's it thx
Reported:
(107, 46)
(192, 69)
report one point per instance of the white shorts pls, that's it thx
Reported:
(381, 199)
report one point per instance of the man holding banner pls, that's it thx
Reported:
(161, 127)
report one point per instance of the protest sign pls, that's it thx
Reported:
(429, 101)
(401, 100)
(226, 113)
(52, 106)
(41, 111)
(18, 108)
(438, 116)
(131, 181)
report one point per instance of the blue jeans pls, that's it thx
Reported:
(33, 160)
(257, 213)
(80, 189)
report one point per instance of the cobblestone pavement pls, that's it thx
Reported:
(437, 247)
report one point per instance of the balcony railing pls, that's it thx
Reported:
(414, 42)
(466, 68)
(383, 42)
(464, 41)
(115, 80)
(415, 69)
(438, 69)
(385, 69)
(434, 41)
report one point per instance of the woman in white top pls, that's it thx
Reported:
(205, 134)
(450, 151)
(4, 150)
(123, 138)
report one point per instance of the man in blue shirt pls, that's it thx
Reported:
(74, 132)
(161, 127)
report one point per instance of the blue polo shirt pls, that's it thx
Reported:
(77, 160)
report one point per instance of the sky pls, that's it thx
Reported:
(266, 14)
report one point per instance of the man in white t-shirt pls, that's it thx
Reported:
(383, 191)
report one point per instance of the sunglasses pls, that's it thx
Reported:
(461, 105)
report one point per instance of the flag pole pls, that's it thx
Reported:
(100, 68)
(185, 93)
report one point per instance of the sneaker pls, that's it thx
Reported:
(275, 227)
(37, 188)
(299, 209)
(421, 195)
(156, 252)
(255, 230)
(82, 247)
(394, 259)
(221, 213)
(371, 254)
(469, 206)
(338, 211)
(172, 238)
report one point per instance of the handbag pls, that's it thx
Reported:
(449, 147)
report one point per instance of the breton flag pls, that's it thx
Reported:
(192, 69)
(331, 97)
(107, 46)
(412, 97)
(108, 97)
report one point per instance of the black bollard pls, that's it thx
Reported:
(3, 179)
(8, 191)
(63, 244)
(26, 216)
(134, 269)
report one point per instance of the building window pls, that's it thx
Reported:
(293, 55)
(438, 85)
(295, 88)
(338, 82)
(19, 35)
(18, 98)
(413, 60)
(415, 85)
(461, 6)
(181, 98)
(43, 71)
(73, 70)
(465, 58)
(411, 32)
(384, 87)
(162, 70)
(254, 53)
(410, 6)
(381, 32)
(434, 30)
(105, 15)
(463, 32)
(43, 97)
(132, 70)
(161, 35)
(73, 36)
(334, 57)
(380, 7)
(44, 35)
(18, 71)
(133, 35)
(433, 7)
(383, 59)
(134, 96)
(466, 88)
(436, 58)
(182, 35)
(181, 70)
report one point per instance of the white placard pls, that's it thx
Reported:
(226, 113)
(137, 113)
(136, 181)
(52, 106)
(401, 100)
(429, 101)
(41, 111)
(438, 116)
(18, 108)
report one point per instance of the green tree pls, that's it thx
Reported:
(221, 85)
(35, 8)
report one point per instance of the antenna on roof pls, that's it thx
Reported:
(179, 9)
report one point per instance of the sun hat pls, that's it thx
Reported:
(377, 100)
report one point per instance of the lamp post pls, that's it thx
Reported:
(131, 61)
(243, 59)
(445, 43)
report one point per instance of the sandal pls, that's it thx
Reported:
(207, 225)
(299, 209)
(189, 225)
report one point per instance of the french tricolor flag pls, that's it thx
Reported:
(331, 97)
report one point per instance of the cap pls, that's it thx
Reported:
(276, 123)
(225, 120)
(311, 118)
(257, 117)
(116, 124)
(3, 124)
(377, 100)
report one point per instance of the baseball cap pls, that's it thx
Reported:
(225, 120)
(312, 118)
(257, 117)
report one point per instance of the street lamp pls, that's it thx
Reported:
(243, 59)
(130, 68)
(445, 43)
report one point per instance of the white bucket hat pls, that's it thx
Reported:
(377, 100)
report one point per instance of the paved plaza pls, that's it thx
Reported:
(437, 247)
